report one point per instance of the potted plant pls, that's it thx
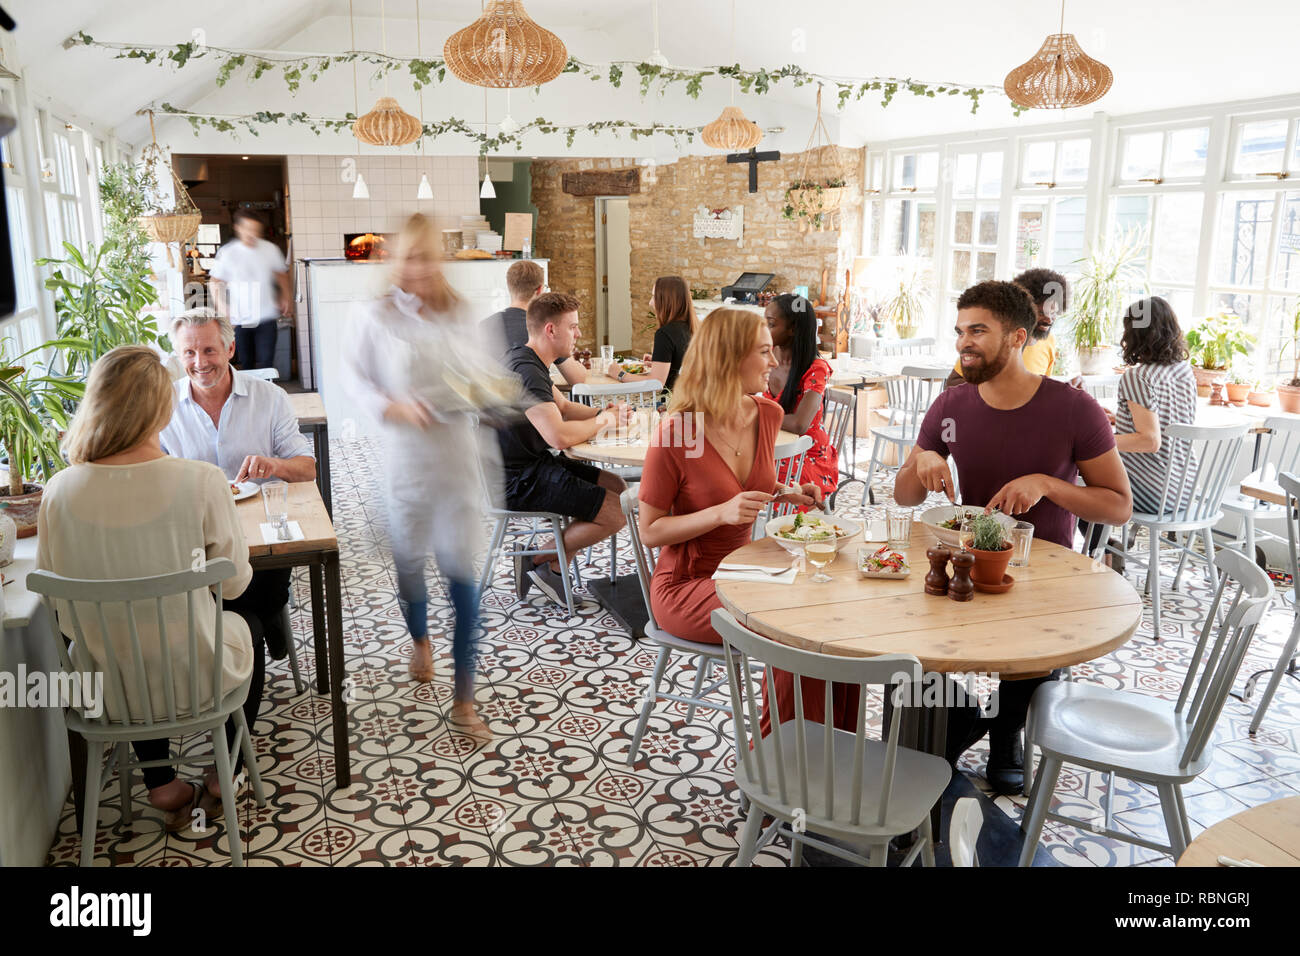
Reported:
(1238, 386)
(1288, 394)
(34, 407)
(1212, 343)
(1110, 271)
(906, 307)
(1261, 393)
(99, 300)
(813, 199)
(991, 549)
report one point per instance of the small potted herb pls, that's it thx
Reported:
(1288, 393)
(1262, 393)
(991, 549)
(1238, 387)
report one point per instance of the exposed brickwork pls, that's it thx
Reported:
(661, 230)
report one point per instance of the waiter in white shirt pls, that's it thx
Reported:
(250, 284)
(245, 427)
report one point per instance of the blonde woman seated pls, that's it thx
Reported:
(710, 471)
(124, 509)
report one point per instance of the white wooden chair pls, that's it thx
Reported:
(116, 725)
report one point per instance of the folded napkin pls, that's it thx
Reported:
(752, 572)
(270, 535)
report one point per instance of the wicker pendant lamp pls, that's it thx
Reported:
(387, 124)
(505, 49)
(1059, 76)
(732, 131)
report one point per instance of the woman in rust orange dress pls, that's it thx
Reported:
(798, 383)
(708, 475)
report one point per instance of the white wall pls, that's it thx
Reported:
(321, 207)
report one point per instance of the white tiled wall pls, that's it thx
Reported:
(321, 207)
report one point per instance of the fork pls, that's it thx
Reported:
(775, 572)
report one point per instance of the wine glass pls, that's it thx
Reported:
(820, 554)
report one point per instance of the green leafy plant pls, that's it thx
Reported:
(699, 294)
(425, 71)
(99, 298)
(1292, 342)
(1216, 339)
(906, 307)
(124, 192)
(1110, 272)
(34, 405)
(989, 534)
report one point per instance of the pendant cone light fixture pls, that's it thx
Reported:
(359, 188)
(732, 131)
(505, 49)
(1059, 76)
(424, 190)
(387, 124)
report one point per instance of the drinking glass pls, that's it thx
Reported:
(966, 534)
(1022, 538)
(606, 356)
(275, 499)
(900, 528)
(820, 554)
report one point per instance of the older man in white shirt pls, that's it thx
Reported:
(245, 427)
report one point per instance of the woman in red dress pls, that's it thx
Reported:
(708, 474)
(798, 383)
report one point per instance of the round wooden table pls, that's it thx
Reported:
(632, 454)
(1064, 609)
(1268, 834)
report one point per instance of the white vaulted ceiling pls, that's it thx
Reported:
(1163, 55)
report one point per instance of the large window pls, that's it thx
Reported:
(1214, 190)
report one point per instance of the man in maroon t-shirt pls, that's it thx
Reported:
(1019, 441)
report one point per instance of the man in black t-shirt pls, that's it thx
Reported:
(508, 328)
(536, 479)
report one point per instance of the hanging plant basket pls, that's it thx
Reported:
(180, 222)
(819, 192)
(175, 227)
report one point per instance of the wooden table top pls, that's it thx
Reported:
(1268, 834)
(632, 454)
(1064, 609)
(305, 507)
(1255, 487)
(307, 407)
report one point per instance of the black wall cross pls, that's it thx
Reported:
(753, 158)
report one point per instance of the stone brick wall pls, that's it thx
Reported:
(661, 230)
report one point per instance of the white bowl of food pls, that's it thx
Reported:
(944, 522)
(794, 531)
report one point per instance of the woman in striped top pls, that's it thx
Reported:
(1158, 390)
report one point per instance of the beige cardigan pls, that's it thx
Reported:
(131, 521)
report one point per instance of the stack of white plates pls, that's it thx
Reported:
(490, 241)
(470, 227)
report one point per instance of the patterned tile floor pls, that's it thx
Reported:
(553, 788)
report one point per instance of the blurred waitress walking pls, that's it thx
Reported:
(393, 370)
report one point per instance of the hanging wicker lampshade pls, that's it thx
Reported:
(731, 131)
(505, 49)
(387, 125)
(1059, 76)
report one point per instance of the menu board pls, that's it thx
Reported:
(519, 226)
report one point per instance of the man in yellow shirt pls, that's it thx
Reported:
(1049, 290)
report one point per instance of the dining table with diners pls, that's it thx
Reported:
(1054, 609)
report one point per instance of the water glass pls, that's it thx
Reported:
(1022, 537)
(900, 528)
(275, 499)
(606, 356)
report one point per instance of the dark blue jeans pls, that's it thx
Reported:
(255, 344)
(412, 595)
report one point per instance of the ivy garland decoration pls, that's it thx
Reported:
(432, 128)
(295, 70)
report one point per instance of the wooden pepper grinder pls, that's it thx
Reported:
(936, 582)
(961, 587)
